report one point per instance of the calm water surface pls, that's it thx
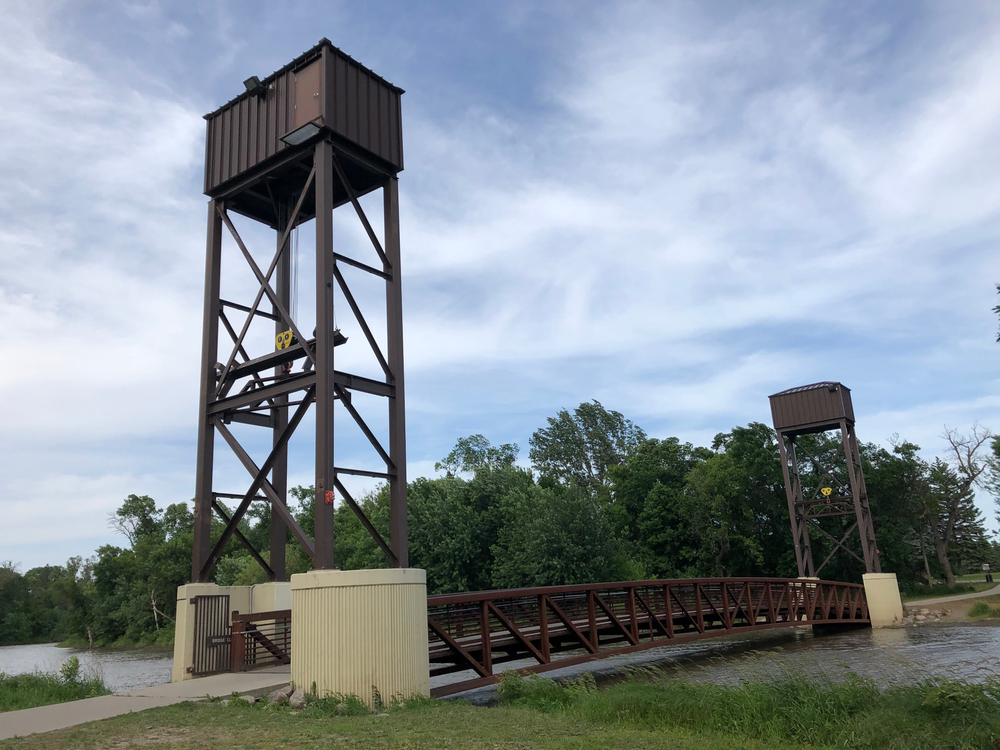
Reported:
(967, 651)
(120, 670)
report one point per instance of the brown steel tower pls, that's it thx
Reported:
(317, 134)
(811, 409)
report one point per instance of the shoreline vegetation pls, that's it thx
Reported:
(33, 689)
(646, 710)
(162, 639)
(596, 500)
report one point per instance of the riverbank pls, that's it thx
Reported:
(18, 692)
(120, 669)
(537, 713)
(163, 638)
(967, 609)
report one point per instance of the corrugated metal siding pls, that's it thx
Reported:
(349, 639)
(363, 108)
(246, 132)
(355, 103)
(813, 406)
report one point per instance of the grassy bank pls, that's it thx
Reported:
(982, 610)
(855, 713)
(915, 592)
(537, 713)
(35, 689)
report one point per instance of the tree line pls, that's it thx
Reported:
(600, 501)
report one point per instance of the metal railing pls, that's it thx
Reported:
(478, 630)
(261, 639)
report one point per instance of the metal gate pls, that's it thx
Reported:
(211, 634)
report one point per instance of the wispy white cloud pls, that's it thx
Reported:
(685, 210)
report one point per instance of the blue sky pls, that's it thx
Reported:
(674, 208)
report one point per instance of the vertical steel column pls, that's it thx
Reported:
(397, 404)
(793, 488)
(279, 414)
(323, 504)
(206, 431)
(802, 515)
(859, 494)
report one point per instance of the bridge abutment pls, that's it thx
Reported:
(261, 597)
(358, 632)
(885, 606)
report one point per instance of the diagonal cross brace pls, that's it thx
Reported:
(274, 262)
(264, 281)
(276, 504)
(363, 323)
(243, 540)
(361, 213)
(837, 545)
(239, 347)
(265, 288)
(366, 523)
(346, 401)
(260, 482)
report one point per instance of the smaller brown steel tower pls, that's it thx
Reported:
(807, 410)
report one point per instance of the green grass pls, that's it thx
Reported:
(982, 610)
(917, 591)
(36, 689)
(424, 726)
(646, 711)
(853, 714)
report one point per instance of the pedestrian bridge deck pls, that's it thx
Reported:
(560, 626)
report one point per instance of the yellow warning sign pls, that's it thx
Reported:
(283, 340)
(827, 491)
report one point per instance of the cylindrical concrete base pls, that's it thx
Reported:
(885, 607)
(361, 632)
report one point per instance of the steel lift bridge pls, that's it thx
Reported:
(321, 133)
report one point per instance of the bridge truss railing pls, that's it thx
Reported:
(560, 626)
(260, 639)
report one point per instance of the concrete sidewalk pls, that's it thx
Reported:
(62, 715)
(955, 598)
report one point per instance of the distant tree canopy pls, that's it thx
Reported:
(600, 502)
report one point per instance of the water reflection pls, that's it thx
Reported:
(121, 670)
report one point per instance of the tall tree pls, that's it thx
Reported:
(556, 536)
(476, 452)
(582, 446)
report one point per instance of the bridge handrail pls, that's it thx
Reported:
(477, 630)
(260, 639)
(463, 597)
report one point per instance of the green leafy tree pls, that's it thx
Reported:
(582, 446)
(476, 452)
(556, 536)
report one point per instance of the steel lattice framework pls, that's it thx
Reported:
(813, 409)
(317, 134)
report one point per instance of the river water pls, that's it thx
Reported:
(121, 670)
(967, 651)
(964, 651)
